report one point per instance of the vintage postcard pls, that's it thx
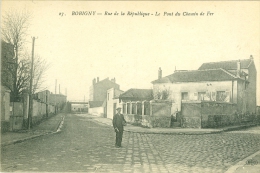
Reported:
(130, 86)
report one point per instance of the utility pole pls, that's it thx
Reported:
(47, 102)
(55, 95)
(31, 89)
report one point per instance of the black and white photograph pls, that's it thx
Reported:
(130, 86)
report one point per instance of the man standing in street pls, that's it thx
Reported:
(118, 124)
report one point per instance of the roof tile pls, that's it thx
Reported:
(197, 75)
(227, 65)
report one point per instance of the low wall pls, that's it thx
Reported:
(5, 126)
(160, 113)
(191, 115)
(130, 118)
(98, 111)
(39, 109)
(208, 114)
(214, 114)
(19, 114)
(16, 116)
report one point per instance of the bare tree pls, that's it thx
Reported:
(161, 94)
(39, 70)
(14, 31)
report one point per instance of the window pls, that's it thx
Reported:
(133, 108)
(124, 108)
(128, 108)
(201, 95)
(221, 96)
(184, 96)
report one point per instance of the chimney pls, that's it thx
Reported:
(94, 81)
(238, 68)
(97, 79)
(251, 57)
(159, 73)
(113, 80)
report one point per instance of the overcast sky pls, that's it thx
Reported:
(131, 49)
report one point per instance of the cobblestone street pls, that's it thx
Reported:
(85, 146)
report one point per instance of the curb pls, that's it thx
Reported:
(164, 133)
(239, 127)
(182, 133)
(24, 139)
(241, 163)
(35, 136)
(176, 133)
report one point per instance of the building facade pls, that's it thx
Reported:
(59, 100)
(229, 81)
(113, 101)
(7, 64)
(98, 89)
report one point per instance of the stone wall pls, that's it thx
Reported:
(98, 111)
(19, 114)
(5, 126)
(16, 115)
(160, 113)
(209, 114)
(191, 114)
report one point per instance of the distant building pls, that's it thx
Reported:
(97, 107)
(7, 64)
(112, 101)
(42, 96)
(98, 89)
(226, 81)
(79, 108)
(58, 99)
(134, 94)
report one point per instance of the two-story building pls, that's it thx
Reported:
(227, 81)
(98, 89)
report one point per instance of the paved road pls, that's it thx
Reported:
(85, 146)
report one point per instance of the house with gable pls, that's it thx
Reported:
(227, 81)
(246, 88)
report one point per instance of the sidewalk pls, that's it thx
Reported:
(46, 127)
(180, 131)
(251, 164)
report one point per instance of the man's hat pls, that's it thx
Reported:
(118, 108)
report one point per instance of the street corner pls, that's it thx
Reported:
(250, 164)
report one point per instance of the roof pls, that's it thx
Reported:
(197, 75)
(227, 65)
(137, 94)
(94, 104)
(103, 82)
